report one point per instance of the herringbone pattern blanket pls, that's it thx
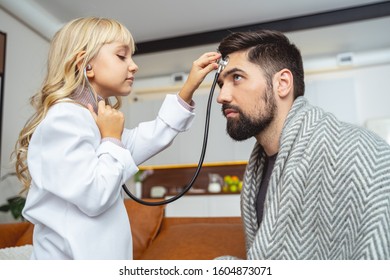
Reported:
(329, 192)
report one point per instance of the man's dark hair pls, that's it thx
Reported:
(271, 50)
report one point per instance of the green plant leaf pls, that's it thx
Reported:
(4, 208)
(15, 205)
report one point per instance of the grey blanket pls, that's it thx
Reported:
(328, 195)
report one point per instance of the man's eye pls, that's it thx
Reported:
(236, 77)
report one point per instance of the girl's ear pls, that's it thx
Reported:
(284, 80)
(80, 60)
(80, 63)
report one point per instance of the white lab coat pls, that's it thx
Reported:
(75, 197)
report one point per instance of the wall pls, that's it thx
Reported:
(353, 95)
(25, 66)
(187, 146)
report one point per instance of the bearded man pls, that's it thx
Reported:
(314, 187)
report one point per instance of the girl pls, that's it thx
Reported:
(73, 155)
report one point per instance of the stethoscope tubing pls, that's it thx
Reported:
(201, 159)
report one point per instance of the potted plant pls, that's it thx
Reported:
(15, 205)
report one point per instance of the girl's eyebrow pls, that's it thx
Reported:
(123, 47)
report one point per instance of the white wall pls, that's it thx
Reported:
(186, 148)
(353, 95)
(24, 71)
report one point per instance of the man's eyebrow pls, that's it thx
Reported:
(231, 71)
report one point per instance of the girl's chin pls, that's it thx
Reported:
(126, 93)
(123, 92)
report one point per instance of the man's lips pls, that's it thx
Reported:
(230, 112)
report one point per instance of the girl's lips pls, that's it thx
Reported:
(130, 79)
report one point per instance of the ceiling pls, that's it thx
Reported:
(202, 23)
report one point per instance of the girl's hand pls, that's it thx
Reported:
(109, 121)
(200, 68)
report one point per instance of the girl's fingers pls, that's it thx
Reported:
(90, 108)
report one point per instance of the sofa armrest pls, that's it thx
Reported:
(11, 233)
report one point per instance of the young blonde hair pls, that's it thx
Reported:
(72, 47)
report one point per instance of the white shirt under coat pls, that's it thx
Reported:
(75, 199)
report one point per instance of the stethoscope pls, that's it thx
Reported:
(221, 65)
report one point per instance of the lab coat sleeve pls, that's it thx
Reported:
(75, 166)
(149, 138)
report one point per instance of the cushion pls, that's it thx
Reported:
(145, 223)
(10, 233)
(16, 253)
(197, 241)
(26, 237)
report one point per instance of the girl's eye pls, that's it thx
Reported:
(122, 57)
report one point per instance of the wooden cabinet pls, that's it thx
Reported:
(175, 177)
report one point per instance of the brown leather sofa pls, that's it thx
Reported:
(156, 237)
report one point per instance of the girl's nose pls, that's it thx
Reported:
(133, 67)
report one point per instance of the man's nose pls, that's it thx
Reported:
(224, 95)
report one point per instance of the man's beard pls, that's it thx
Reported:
(248, 126)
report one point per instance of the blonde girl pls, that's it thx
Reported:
(74, 153)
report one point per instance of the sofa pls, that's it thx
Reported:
(156, 237)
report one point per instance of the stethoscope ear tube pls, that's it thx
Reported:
(206, 132)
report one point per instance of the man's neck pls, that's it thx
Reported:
(269, 142)
(269, 139)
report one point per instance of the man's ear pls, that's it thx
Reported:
(284, 82)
